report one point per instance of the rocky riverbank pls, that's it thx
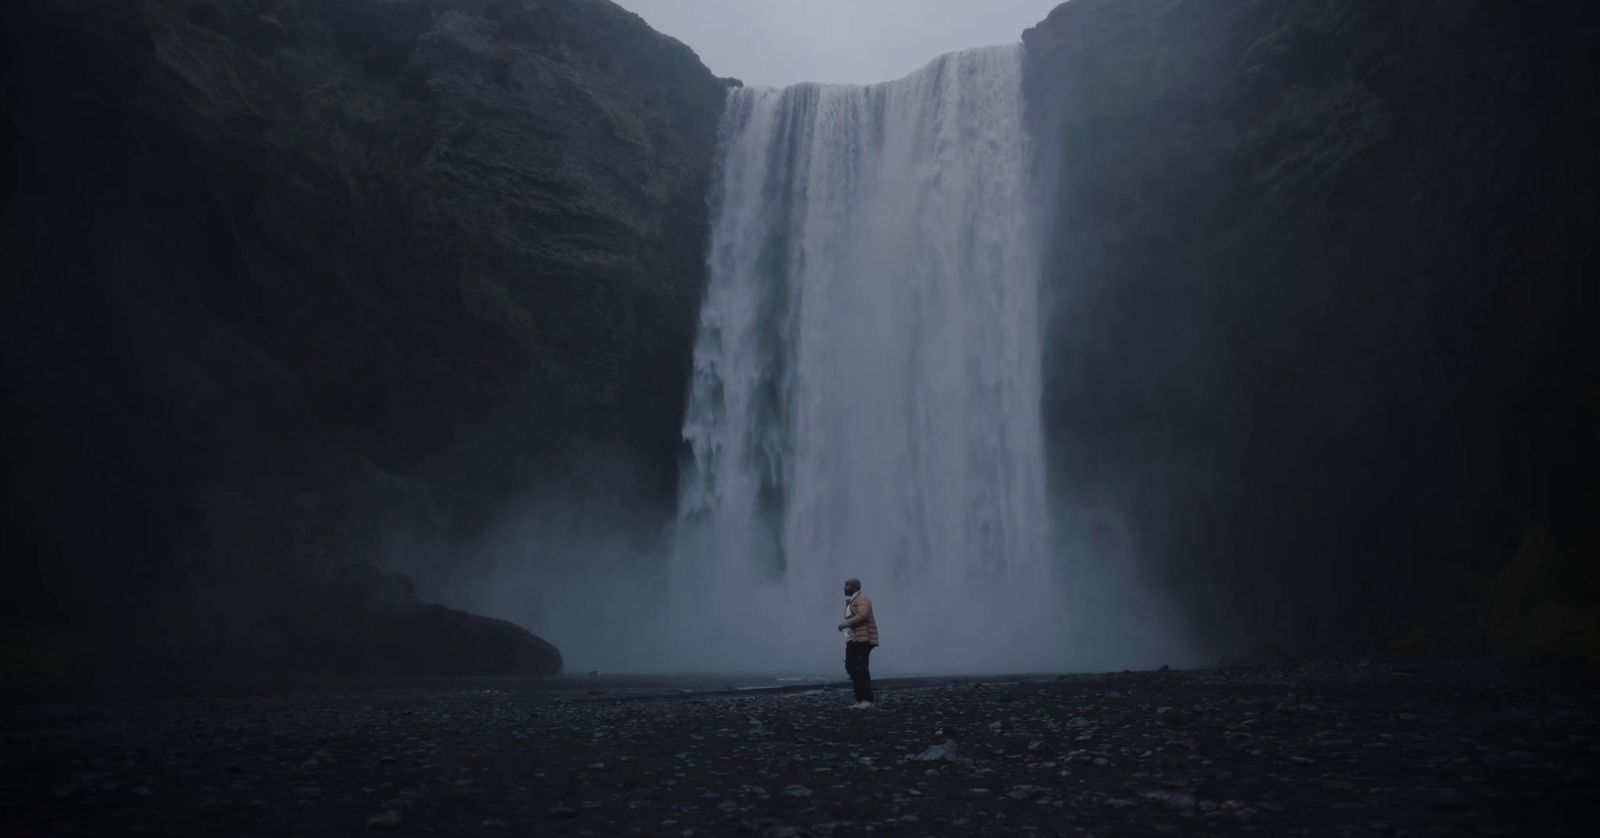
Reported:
(1355, 747)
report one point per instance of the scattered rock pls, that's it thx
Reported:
(811, 767)
(1023, 792)
(945, 751)
(1175, 799)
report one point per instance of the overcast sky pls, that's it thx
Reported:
(777, 42)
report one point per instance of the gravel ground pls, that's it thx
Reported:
(1319, 748)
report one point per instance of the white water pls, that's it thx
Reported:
(866, 389)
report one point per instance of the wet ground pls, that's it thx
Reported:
(1352, 747)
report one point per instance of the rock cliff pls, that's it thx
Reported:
(291, 283)
(1321, 353)
(284, 273)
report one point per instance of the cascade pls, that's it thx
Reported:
(866, 390)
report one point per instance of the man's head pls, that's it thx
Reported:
(851, 586)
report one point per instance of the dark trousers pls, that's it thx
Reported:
(855, 663)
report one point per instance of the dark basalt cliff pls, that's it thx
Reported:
(283, 274)
(1321, 347)
(293, 284)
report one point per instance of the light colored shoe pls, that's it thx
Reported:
(859, 705)
(865, 705)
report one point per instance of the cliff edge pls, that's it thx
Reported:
(284, 276)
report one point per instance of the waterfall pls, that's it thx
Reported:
(866, 391)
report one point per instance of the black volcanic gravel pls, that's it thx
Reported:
(1318, 749)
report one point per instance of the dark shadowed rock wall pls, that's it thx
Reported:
(1321, 343)
(280, 274)
(290, 283)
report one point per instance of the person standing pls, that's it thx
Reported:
(861, 637)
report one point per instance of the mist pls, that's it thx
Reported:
(449, 416)
(866, 402)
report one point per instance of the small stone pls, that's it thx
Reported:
(1300, 760)
(494, 823)
(945, 751)
(1175, 799)
(386, 819)
(1023, 792)
(1119, 803)
(797, 791)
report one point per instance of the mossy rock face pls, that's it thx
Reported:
(300, 279)
(1548, 596)
(28, 662)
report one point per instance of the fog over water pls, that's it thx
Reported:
(865, 402)
(866, 394)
